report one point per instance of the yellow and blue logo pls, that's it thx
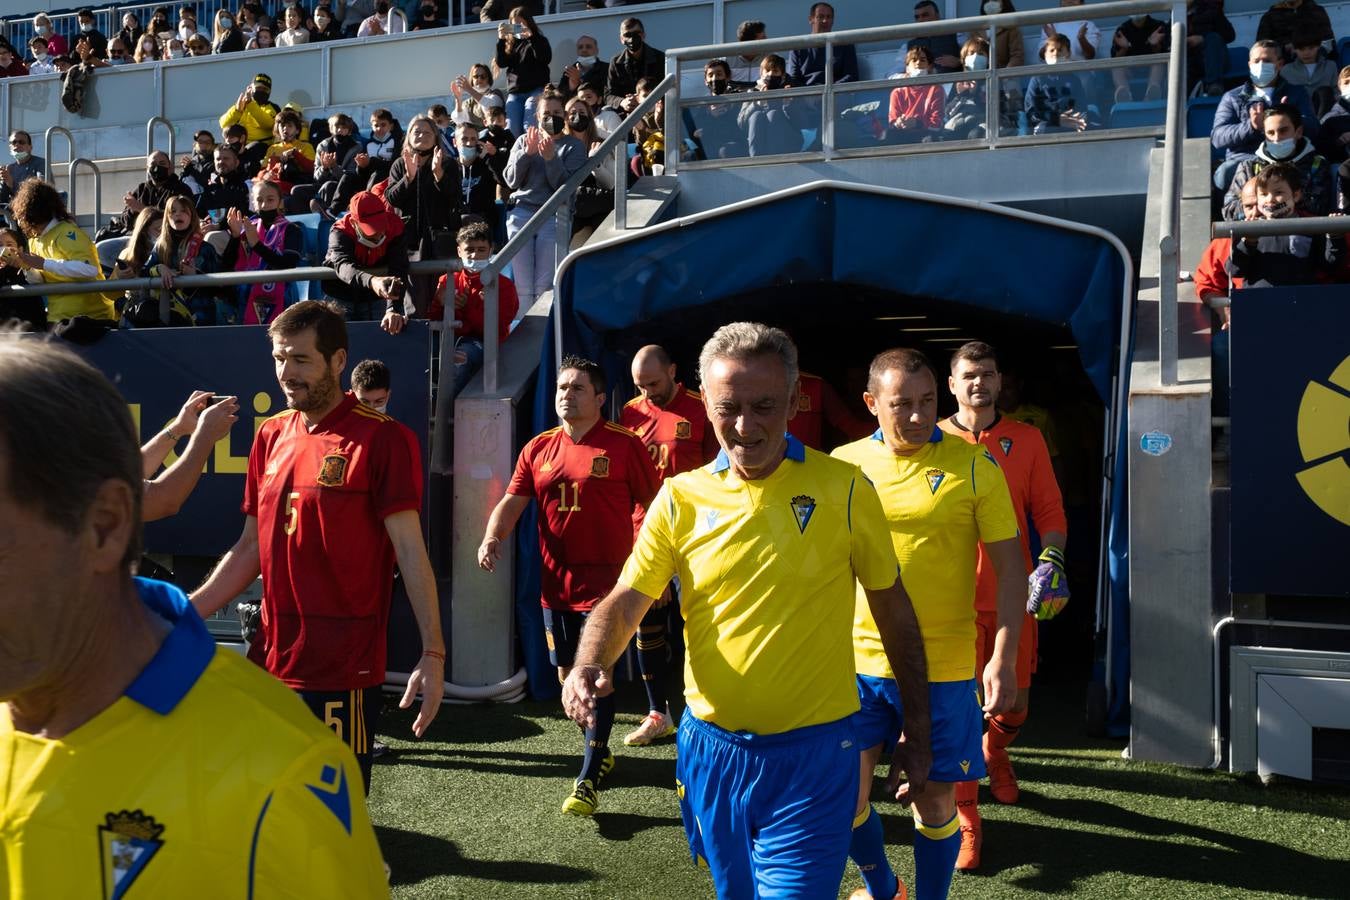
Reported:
(128, 840)
(802, 508)
(1324, 442)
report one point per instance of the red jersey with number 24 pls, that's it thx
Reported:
(677, 436)
(588, 492)
(321, 496)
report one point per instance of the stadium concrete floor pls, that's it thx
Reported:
(472, 811)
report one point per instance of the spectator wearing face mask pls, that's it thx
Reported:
(807, 65)
(227, 36)
(56, 44)
(471, 92)
(367, 249)
(41, 63)
(387, 19)
(1051, 101)
(637, 61)
(773, 126)
(258, 114)
(588, 69)
(24, 167)
(524, 53)
(495, 132)
(325, 24)
(1334, 134)
(915, 112)
(428, 17)
(541, 160)
(1238, 122)
(1008, 51)
(964, 113)
(227, 186)
(196, 168)
(295, 31)
(1286, 259)
(465, 290)
(159, 185)
(1286, 145)
(264, 241)
(478, 181)
(147, 49)
(97, 41)
(187, 23)
(714, 127)
(10, 65)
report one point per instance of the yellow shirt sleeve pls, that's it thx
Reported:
(873, 553)
(314, 838)
(994, 514)
(653, 562)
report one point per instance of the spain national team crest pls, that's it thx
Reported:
(1006, 444)
(803, 402)
(802, 508)
(934, 478)
(333, 472)
(684, 430)
(600, 467)
(128, 841)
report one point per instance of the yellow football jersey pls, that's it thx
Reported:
(207, 778)
(766, 571)
(66, 240)
(940, 503)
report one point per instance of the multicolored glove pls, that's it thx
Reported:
(1049, 586)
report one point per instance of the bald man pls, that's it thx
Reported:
(674, 428)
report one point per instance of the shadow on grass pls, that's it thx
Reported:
(414, 857)
(1155, 847)
(626, 826)
(629, 771)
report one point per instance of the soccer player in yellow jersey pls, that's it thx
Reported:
(942, 497)
(767, 541)
(138, 760)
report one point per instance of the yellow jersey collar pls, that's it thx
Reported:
(935, 438)
(796, 451)
(183, 656)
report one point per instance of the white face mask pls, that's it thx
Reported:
(976, 62)
(473, 265)
(1262, 73)
(21, 156)
(368, 242)
(379, 407)
(587, 60)
(86, 27)
(993, 7)
(1345, 92)
(40, 57)
(175, 53)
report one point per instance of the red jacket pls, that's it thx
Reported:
(924, 103)
(472, 315)
(1211, 273)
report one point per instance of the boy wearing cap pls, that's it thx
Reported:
(257, 113)
(368, 249)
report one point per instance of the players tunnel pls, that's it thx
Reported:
(850, 270)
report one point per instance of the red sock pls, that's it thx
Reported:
(1003, 729)
(967, 801)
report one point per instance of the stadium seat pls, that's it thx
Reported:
(1137, 114)
(1237, 64)
(316, 245)
(1342, 48)
(1200, 116)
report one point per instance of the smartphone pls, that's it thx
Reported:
(215, 398)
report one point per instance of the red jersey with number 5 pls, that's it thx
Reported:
(321, 496)
(678, 436)
(590, 494)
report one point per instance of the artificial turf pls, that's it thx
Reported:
(473, 811)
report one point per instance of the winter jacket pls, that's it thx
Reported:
(353, 260)
(1286, 259)
(1232, 131)
(257, 118)
(1335, 124)
(427, 205)
(626, 70)
(1283, 21)
(526, 63)
(1319, 194)
(1048, 97)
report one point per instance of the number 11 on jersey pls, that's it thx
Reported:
(576, 496)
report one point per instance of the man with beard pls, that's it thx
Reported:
(331, 502)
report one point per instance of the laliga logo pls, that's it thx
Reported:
(1324, 441)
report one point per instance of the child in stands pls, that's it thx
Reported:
(1050, 101)
(1286, 259)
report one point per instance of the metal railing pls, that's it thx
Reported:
(1169, 229)
(73, 191)
(150, 137)
(47, 148)
(1309, 226)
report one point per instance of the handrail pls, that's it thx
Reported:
(98, 186)
(1311, 225)
(1169, 229)
(150, 136)
(47, 148)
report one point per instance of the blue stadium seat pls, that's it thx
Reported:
(316, 245)
(1134, 115)
(1200, 116)
(1342, 48)
(1237, 63)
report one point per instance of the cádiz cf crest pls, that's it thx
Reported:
(1006, 444)
(684, 429)
(802, 508)
(934, 477)
(600, 467)
(127, 843)
(333, 472)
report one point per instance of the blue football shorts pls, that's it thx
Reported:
(957, 724)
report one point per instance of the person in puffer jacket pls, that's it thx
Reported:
(1286, 144)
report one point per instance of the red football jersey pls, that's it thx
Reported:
(818, 404)
(1020, 451)
(321, 498)
(678, 437)
(587, 492)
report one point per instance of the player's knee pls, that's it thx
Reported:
(937, 803)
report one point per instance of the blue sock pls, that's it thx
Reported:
(597, 739)
(935, 850)
(652, 663)
(868, 850)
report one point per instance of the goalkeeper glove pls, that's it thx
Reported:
(1049, 586)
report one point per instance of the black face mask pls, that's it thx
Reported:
(633, 44)
(262, 96)
(553, 124)
(773, 82)
(268, 216)
(579, 122)
(158, 173)
(718, 86)
(428, 12)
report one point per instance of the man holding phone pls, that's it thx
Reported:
(368, 249)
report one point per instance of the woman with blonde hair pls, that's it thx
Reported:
(226, 36)
(182, 250)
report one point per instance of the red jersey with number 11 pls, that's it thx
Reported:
(591, 494)
(321, 496)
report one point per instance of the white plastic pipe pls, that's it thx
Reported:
(512, 690)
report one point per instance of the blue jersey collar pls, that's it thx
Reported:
(796, 451)
(183, 656)
(935, 438)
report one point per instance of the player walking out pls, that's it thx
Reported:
(1022, 455)
(593, 480)
(767, 541)
(330, 504)
(674, 428)
(941, 497)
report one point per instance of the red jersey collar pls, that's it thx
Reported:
(348, 401)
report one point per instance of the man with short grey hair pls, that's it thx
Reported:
(767, 541)
(116, 700)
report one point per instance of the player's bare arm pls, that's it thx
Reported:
(899, 628)
(236, 570)
(612, 623)
(165, 495)
(1000, 676)
(500, 524)
(428, 678)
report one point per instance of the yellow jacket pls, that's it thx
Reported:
(256, 117)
